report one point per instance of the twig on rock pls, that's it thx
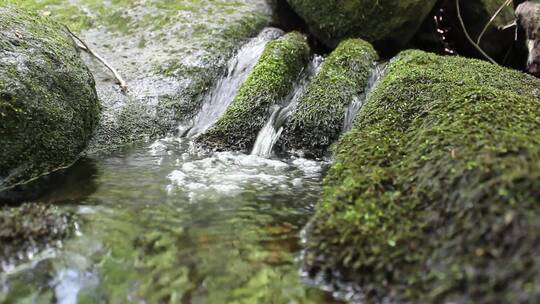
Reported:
(469, 36)
(83, 46)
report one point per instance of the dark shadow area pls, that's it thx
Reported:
(286, 19)
(443, 34)
(70, 185)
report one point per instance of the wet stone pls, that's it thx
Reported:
(29, 228)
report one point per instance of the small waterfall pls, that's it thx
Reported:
(270, 133)
(358, 101)
(219, 99)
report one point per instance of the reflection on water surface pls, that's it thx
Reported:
(163, 223)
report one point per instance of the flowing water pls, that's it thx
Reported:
(352, 111)
(219, 99)
(270, 133)
(164, 223)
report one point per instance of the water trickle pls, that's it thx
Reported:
(358, 101)
(219, 99)
(270, 133)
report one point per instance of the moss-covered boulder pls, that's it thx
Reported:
(269, 83)
(319, 117)
(388, 23)
(48, 102)
(434, 196)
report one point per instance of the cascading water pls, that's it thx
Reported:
(219, 99)
(270, 133)
(358, 101)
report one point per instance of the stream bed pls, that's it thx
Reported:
(164, 223)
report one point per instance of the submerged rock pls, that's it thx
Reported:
(389, 24)
(269, 83)
(169, 52)
(318, 120)
(48, 103)
(31, 227)
(434, 196)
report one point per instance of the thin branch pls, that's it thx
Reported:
(509, 25)
(469, 37)
(505, 4)
(121, 82)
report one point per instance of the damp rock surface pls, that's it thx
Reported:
(434, 195)
(320, 114)
(271, 80)
(48, 104)
(387, 23)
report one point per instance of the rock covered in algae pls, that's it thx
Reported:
(319, 117)
(387, 23)
(270, 82)
(31, 227)
(169, 52)
(48, 103)
(434, 196)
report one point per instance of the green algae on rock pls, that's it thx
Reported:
(32, 227)
(270, 82)
(48, 103)
(434, 196)
(318, 120)
(169, 52)
(387, 23)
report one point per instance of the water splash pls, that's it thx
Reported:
(69, 282)
(376, 74)
(219, 99)
(270, 133)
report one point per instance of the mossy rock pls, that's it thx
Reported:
(269, 83)
(319, 117)
(48, 102)
(434, 196)
(387, 23)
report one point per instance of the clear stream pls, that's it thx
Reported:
(164, 223)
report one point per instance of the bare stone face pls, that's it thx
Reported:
(528, 17)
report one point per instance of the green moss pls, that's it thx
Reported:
(383, 21)
(318, 120)
(268, 84)
(434, 195)
(48, 102)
